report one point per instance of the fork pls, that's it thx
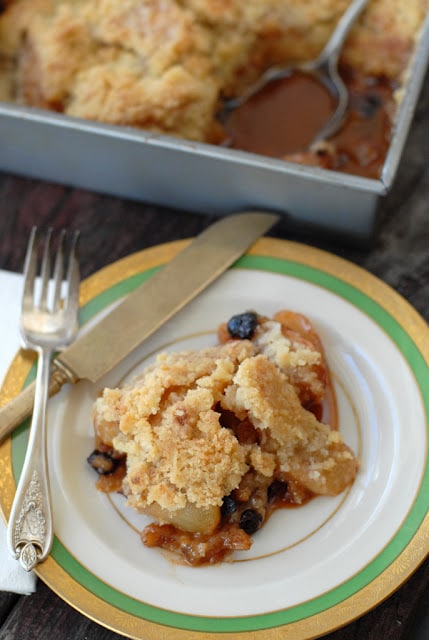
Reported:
(47, 323)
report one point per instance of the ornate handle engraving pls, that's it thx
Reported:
(29, 535)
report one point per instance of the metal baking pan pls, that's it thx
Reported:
(199, 177)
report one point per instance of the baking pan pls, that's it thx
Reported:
(199, 177)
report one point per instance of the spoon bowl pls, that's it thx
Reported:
(324, 69)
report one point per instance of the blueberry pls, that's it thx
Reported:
(277, 489)
(102, 462)
(369, 105)
(229, 506)
(250, 521)
(243, 325)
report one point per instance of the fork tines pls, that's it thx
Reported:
(48, 294)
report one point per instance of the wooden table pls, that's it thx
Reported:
(112, 228)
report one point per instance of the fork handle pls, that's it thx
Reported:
(30, 529)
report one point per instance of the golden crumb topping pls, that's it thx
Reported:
(177, 450)
(306, 449)
(194, 424)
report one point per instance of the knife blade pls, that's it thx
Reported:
(147, 308)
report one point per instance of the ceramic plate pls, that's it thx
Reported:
(310, 570)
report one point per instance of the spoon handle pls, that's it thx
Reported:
(335, 44)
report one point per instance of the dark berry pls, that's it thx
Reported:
(277, 490)
(369, 104)
(229, 505)
(250, 521)
(102, 462)
(243, 325)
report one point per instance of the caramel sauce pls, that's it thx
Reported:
(326, 411)
(197, 549)
(283, 118)
(362, 143)
(112, 482)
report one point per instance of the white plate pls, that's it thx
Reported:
(309, 570)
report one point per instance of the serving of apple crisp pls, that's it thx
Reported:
(210, 442)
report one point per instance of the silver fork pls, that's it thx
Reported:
(48, 322)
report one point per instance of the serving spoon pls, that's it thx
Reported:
(324, 69)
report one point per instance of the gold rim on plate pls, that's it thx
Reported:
(376, 590)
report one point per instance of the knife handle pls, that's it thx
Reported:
(21, 407)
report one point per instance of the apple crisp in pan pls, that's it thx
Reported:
(210, 442)
(166, 66)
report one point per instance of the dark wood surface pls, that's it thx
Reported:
(112, 228)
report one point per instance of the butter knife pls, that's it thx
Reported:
(147, 308)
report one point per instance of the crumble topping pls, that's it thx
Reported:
(305, 448)
(195, 424)
(177, 450)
